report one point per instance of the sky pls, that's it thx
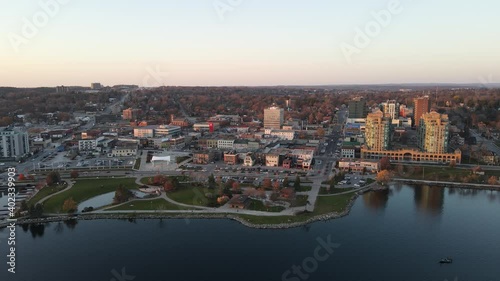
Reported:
(248, 42)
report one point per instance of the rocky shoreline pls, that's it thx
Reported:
(135, 216)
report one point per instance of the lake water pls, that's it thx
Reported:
(389, 236)
(104, 200)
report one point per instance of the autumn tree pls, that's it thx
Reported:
(168, 186)
(384, 177)
(69, 206)
(385, 163)
(493, 180)
(74, 174)
(266, 183)
(320, 132)
(158, 180)
(235, 187)
(276, 186)
(122, 195)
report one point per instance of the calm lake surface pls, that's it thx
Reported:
(396, 235)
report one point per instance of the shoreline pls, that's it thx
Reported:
(134, 216)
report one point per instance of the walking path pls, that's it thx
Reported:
(70, 185)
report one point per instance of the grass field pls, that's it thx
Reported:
(324, 205)
(323, 190)
(190, 196)
(257, 205)
(147, 205)
(304, 188)
(85, 189)
(44, 192)
(300, 200)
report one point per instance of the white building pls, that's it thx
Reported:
(157, 131)
(281, 134)
(87, 145)
(348, 152)
(249, 160)
(391, 109)
(225, 144)
(123, 152)
(13, 143)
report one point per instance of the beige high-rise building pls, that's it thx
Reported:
(422, 105)
(273, 117)
(377, 131)
(433, 133)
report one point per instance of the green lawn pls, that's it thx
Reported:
(147, 205)
(303, 188)
(257, 205)
(145, 180)
(333, 190)
(85, 189)
(324, 205)
(137, 164)
(300, 200)
(44, 192)
(190, 196)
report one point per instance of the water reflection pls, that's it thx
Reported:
(376, 200)
(429, 199)
(71, 224)
(37, 230)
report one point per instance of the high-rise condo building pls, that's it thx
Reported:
(422, 105)
(377, 131)
(391, 109)
(433, 133)
(13, 143)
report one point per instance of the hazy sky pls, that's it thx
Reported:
(247, 42)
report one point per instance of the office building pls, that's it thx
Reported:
(273, 117)
(96, 86)
(357, 108)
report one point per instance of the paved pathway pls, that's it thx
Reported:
(70, 185)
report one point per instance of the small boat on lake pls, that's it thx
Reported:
(446, 260)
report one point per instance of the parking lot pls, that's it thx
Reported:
(59, 160)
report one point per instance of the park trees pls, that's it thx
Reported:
(384, 177)
(53, 178)
(69, 206)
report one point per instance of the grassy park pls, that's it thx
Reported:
(324, 205)
(85, 189)
(257, 205)
(191, 196)
(44, 192)
(148, 205)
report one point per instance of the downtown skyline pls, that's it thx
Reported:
(247, 43)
